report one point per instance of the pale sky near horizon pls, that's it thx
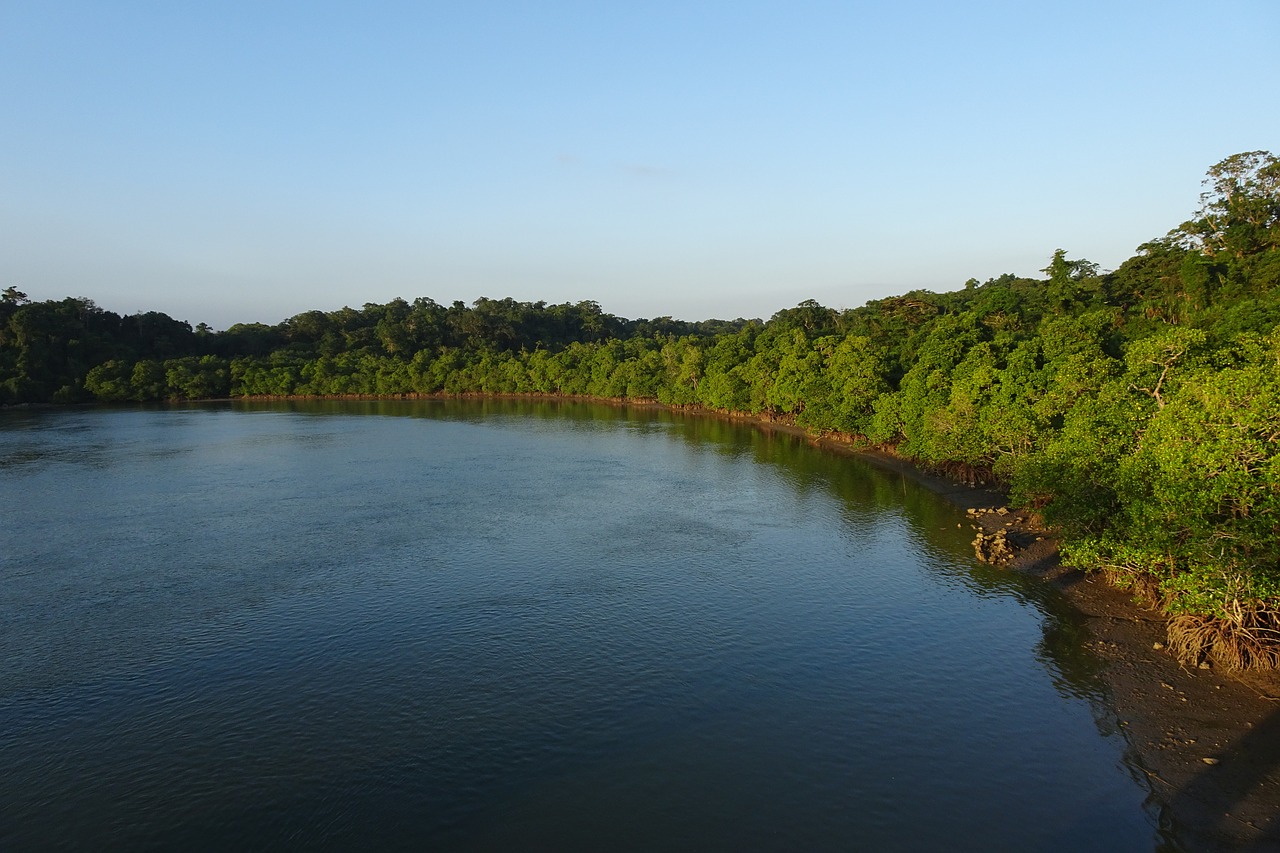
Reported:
(247, 161)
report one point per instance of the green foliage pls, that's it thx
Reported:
(110, 381)
(1070, 282)
(1240, 211)
(197, 378)
(147, 380)
(929, 426)
(856, 379)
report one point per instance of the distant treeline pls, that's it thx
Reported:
(1139, 409)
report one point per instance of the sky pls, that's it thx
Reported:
(234, 162)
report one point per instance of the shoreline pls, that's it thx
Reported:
(1209, 744)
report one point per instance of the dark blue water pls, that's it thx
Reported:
(496, 626)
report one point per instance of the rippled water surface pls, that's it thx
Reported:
(501, 626)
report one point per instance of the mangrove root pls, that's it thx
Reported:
(1251, 642)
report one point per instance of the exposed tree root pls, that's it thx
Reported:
(1144, 587)
(961, 472)
(1250, 641)
(1246, 639)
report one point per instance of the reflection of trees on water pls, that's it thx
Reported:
(867, 497)
(866, 494)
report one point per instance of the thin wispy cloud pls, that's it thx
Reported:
(641, 170)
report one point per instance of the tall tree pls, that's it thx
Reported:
(1240, 211)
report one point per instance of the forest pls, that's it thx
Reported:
(1138, 410)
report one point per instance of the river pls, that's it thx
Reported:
(498, 625)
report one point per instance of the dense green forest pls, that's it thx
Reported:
(1138, 409)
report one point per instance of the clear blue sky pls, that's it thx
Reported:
(245, 161)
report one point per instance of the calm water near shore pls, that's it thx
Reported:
(502, 625)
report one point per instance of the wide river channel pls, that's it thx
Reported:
(516, 625)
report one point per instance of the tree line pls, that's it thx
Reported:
(1138, 409)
